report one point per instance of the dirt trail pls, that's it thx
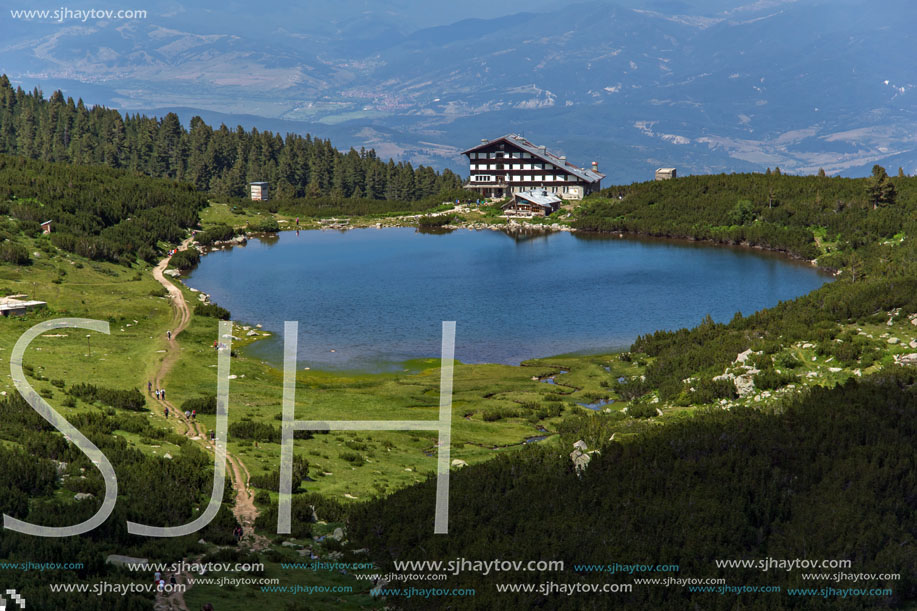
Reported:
(244, 508)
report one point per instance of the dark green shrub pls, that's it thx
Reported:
(212, 310)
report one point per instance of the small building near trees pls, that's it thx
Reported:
(537, 202)
(259, 191)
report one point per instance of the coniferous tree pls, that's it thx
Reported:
(880, 189)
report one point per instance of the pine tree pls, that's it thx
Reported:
(879, 188)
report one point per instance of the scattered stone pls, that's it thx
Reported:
(745, 385)
(167, 456)
(908, 359)
(172, 272)
(457, 462)
(81, 496)
(743, 356)
(835, 369)
(893, 340)
(580, 461)
(338, 534)
(251, 333)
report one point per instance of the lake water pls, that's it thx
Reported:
(372, 298)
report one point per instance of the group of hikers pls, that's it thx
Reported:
(161, 583)
(159, 393)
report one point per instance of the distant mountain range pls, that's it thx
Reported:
(703, 87)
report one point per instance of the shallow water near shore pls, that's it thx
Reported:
(370, 299)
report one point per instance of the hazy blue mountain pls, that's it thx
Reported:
(703, 86)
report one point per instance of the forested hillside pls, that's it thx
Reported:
(41, 474)
(833, 476)
(772, 210)
(221, 161)
(96, 212)
(838, 221)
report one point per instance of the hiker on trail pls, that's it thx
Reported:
(213, 436)
(193, 413)
(169, 334)
(157, 394)
(187, 414)
(237, 533)
(166, 412)
(157, 576)
(172, 579)
(162, 393)
(149, 387)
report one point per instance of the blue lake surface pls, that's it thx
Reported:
(370, 299)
